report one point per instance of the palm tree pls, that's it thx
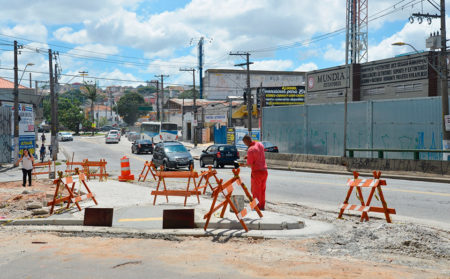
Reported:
(90, 91)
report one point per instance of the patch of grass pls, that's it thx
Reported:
(57, 163)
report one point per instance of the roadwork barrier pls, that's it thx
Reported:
(204, 177)
(43, 168)
(73, 195)
(365, 207)
(162, 175)
(99, 172)
(148, 167)
(226, 189)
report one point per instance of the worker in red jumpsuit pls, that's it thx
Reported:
(256, 160)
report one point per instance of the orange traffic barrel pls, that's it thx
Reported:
(125, 169)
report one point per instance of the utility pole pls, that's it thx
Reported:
(16, 104)
(53, 105)
(158, 115)
(31, 84)
(162, 97)
(195, 103)
(200, 65)
(248, 92)
(444, 80)
(443, 68)
(56, 89)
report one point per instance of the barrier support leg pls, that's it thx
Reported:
(165, 189)
(89, 191)
(383, 202)
(54, 196)
(210, 211)
(157, 188)
(187, 190)
(250, 197)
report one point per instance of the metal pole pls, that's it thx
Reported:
(249, 96)
(16, 104)
(53, 105)
(444, 81)
(195, 109)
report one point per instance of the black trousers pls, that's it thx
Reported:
(25, 173)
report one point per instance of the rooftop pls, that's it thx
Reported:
(6, 84)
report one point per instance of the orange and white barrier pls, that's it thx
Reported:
(125, 170)
(226, 189)
(73, 196)
(101, 165)
(148, 167)
(39, 168)
(365, 208)
(206, 176)
(162, 175)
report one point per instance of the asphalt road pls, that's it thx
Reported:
(422, 200)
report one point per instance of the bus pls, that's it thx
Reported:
(159, 131)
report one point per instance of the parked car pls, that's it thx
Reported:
(270, 147)
(133, 136)
(106, 128)
(65, 136)
(220, 155)
(142, 146)
(112, 138)
(172, 155)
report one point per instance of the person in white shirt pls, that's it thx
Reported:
(27, 166)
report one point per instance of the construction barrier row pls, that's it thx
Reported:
(67, 191)
(365, 208)
(91, 169)
(43, 168)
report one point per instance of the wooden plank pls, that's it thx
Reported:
(102, 217)
(178, 219)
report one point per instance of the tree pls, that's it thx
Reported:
(90, 91)
(128, 107)
(70, 114)
(146, 90)
(74, 95)
(188, 94)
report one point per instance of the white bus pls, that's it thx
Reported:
(157, 131)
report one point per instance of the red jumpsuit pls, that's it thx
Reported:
(257, 161)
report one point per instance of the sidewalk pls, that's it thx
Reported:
(131, 200)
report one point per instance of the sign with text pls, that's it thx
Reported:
(241, 132)
(216, 118)
(328, 79)
(282, 96)
(230, 135)
(447, 122)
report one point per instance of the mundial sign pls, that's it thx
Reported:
(283, 96)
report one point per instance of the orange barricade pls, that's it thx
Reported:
(365, 207)
(70, 165)
(227, 189)
(206, 175)
(125, 170)
(148, 167)
(87, 165)
(41, 167)
(162, 175)
(73, 196)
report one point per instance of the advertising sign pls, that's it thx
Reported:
(283, 96)
(447, 122)
(230, 135)
(216, 118)
(241, 132)
(27, 136)
(334, 78)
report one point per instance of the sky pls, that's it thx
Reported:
(128, 42)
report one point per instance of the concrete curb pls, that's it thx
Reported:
(41, 222)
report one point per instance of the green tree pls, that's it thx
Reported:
(146, 90)
(128, 107)
(90, 92)
(70, 114)
(189, 94)
(74, 95)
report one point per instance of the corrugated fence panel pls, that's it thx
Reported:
(387, 124)
(5, 135)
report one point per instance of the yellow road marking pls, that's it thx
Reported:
(141, 219)
(386, 189)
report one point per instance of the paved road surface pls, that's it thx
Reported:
(424, 200)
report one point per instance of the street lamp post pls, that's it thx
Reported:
(23, 72)
(443, 75)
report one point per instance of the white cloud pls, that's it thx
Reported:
(66, 34)
(272, 65)
(36, 31)
(334, 54)
(307, 67)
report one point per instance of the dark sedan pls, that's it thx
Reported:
(219, 155)
(269, 147)
(142, 146)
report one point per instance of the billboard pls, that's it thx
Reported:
(241, 132)
(27, 135)
(282, 96)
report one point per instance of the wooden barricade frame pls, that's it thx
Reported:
(70, 165)
(206, 176)
(227, 190)
(72, 197)
(148, 167)
(43, 165)
(102, 167)
(162, 175)
(365, 207)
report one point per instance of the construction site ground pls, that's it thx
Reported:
(374, 249)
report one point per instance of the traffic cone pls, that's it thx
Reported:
(125, 170)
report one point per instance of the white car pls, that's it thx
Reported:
(115, 132)
(112, 138)
(65, 136)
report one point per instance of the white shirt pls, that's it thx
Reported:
(27, 163)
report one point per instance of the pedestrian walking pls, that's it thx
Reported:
(50, 150)
(42, 152)
(27, 166)
(43, 138)
(256, 160)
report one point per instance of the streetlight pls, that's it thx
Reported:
(444, 95)
(23, 72)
